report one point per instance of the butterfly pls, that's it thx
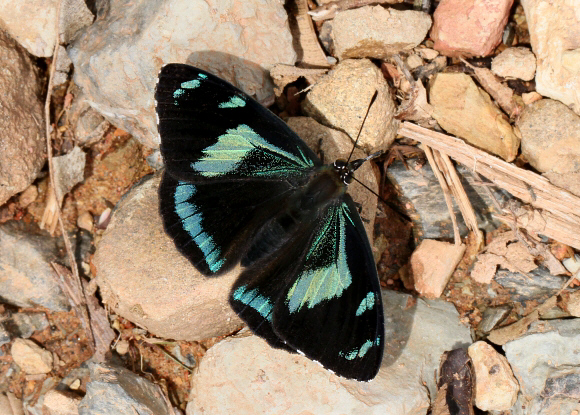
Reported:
(240, 187)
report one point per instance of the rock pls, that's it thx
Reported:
(496, 388)
(69, 170)
(4, 335)
(28, 196)
(33, 23)
(535, 285)
(341, 99)
(572, 264)
(334, 144)
(117, 391)
(34, 404)
(25, 324)
(89, 126)
(10, 404)
(420, 189)
(531, 97)
(26, 277)
(463, 109)
(553, 28)
(22, 142)
(61, 403)
(417, 332)
(573, 304)
(32, 359)
(517, 62)
(551, 142)
(414, 61)
(546, 362)
(85, 221)
(236, 41)
(469, 28)
(432, 265)
(427, 53)
(143, 277)
(376, 32)
(492, 316)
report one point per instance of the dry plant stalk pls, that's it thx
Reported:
(328, 11)
(560, 215)
(305, 39)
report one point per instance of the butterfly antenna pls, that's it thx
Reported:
(362, 125)
(389, 204)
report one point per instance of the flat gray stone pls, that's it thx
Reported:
(546, 362)
(417, 333)
(26, 277)
(117, 391)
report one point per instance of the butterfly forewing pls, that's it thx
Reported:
(212, 131)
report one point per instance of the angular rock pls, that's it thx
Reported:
(25, 324)
(496, 388)
(536, 285)
(341, 99)
(546, 362)
(10, 404)
(554, 31)
(469, 27)
(492, 316)
(22, 142)
(33, 22)
(31, 358)
(61, 403)
(115, 390)
(551, 141)
(26, 277)
(376, 32)
(417, 333)
(432, 265)
(463, 109)
(515, 63)
(237, 41)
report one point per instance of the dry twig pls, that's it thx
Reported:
(560, 216)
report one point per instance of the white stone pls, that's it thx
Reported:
(32, 359)
(517, 62)
(554, 28)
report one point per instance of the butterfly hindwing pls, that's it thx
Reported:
(211, 233)
(322, 298)
(212, 131)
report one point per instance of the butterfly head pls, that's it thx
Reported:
(345, 169)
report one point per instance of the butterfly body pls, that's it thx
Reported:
(241, 187)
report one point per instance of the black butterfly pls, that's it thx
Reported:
(241, 187)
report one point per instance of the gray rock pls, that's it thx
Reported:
(546, 362)
(376, 32)
(417, 333)
(25, 324)
(26, 277)
(422, 190)
(536, 285)
(22, 142)
(491, 317)
(117, 391)
(4, 335)
(117, 59)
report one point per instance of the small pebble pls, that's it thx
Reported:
(75, 384)
(529, 97)
(85, 221)
(427, 53)
(414, 61)
(28, 196)
(122, 347)
(31, 358)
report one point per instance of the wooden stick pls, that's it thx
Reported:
(561, 209)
